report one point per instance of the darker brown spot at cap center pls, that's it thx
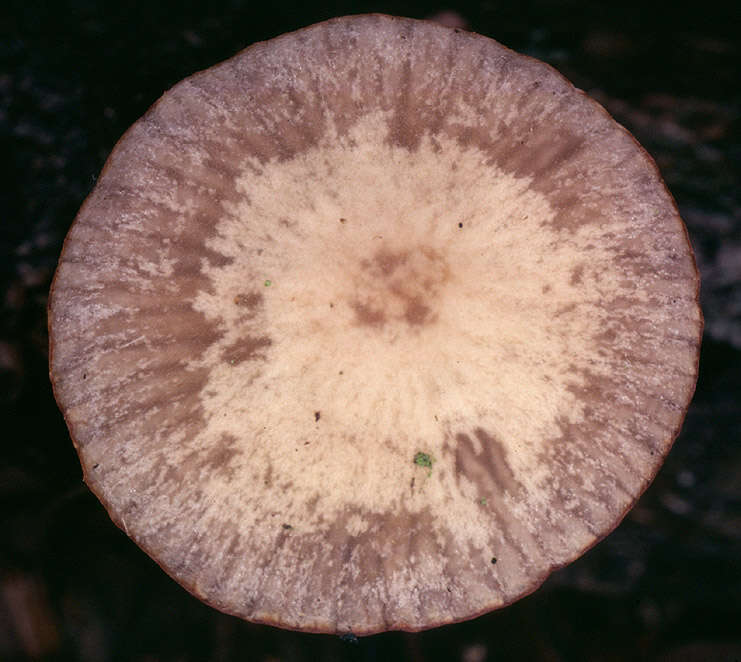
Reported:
(399, 287)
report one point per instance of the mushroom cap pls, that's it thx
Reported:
(372, 327)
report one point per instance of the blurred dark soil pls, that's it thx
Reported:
(666, 585)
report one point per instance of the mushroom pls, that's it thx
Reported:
(373, 326)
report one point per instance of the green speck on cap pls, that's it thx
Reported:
(268, 283)
(424, 460)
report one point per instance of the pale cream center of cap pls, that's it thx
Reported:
(403, 295)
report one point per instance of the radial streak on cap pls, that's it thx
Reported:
(364, 309)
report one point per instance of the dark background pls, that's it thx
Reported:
(666, 585)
